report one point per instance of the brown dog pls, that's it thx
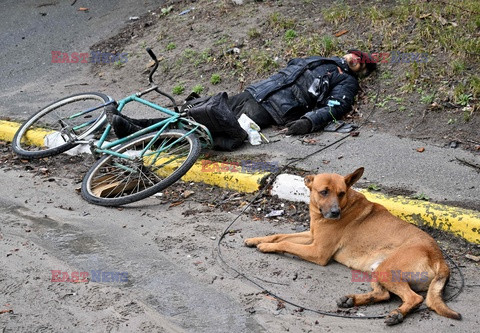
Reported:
(364, 236)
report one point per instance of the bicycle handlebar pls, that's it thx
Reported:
(154, 57)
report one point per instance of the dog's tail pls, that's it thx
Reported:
(434, 294)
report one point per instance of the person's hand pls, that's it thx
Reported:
(298, 127)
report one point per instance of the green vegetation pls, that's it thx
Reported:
(166, 10)
(215, 79)
(290, 35)
(445, 33)
(198, 89)
(373, 187)
(178, 89)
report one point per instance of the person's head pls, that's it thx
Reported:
(361, 63)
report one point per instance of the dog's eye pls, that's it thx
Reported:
(324, 192)
(341, 194)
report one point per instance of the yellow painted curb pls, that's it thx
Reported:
(34, 137)
(233, 179)
(461, 222)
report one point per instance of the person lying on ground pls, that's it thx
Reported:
(304, 96)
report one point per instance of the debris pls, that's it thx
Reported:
(133, 18)
(453, 144)
(6, 311)
(234, 50)
(275, 213)
(441, 20)
(340, 33)
(472, 257)
(309, 141)
(151, 63)
(175, 204)
(425, 15)
(213, 238)
(83, 9)
(187, 193)
(186, 11)
(354, 134)
(421, 149)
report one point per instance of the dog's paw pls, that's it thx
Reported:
(394, 318)
(250, 242)
(267, 247)
(345, 302)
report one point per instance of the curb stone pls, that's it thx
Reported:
(461, 222)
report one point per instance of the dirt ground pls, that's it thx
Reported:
(197, 39)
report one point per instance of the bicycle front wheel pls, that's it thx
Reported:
(59, 126)
(140, 168)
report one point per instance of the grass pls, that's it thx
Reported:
(198, 89)
(215, 79)
(337, 13)
(446, 33)
(178, 89)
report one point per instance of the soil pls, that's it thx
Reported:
(218, 30)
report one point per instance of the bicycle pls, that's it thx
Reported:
(128, 169)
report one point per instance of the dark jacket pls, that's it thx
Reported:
(304, 88)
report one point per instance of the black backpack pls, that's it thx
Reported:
(214, 113)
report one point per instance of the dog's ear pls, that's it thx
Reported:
(308, 181)
(353, 177)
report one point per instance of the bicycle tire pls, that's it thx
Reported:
(115, 181)
(50, 130)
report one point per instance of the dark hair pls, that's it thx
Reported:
(370, 62)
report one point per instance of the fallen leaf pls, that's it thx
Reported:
(151, 63)
(354, 134)
(340, 33)
(187, 193)
(421, 149)
(442, 20)
(6, 311)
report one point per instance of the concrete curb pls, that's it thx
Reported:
(461, 222)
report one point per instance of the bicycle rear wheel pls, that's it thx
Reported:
(153, 165)
(59, 126)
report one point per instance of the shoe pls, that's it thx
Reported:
(122, 127)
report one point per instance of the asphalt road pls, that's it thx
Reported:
(176, 282)
(31, 30)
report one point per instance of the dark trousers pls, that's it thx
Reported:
(244, 103)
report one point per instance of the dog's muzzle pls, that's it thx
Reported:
(333, 214)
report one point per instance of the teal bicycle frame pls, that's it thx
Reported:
(104, 147)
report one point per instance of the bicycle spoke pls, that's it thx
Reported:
(154, 161)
